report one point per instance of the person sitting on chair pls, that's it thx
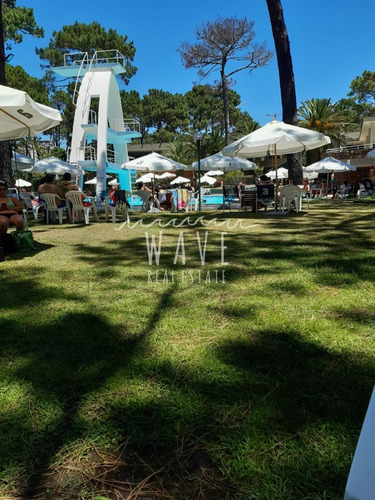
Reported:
(153, 198)
(49, 187)
(66, 184)
(10, 208)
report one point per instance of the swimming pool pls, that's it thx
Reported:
(208, 199)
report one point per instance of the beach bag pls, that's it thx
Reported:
(8, 244)
(24, 241)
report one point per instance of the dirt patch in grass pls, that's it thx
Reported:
(128, 474)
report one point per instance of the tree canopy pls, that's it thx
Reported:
(363, 88)
(88, 38)
(17, 22)
(226, 45)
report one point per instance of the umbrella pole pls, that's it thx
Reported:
(277, 181)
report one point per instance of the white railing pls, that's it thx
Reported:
(93, 117)
(89, 153)
(129, 124)
(345, 149)
(99, 57)
(113, 157)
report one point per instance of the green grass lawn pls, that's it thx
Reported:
(248, 385)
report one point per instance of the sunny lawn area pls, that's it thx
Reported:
(251, 386)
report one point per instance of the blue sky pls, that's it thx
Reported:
(332, 42)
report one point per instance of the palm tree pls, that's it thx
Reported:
(324, 116)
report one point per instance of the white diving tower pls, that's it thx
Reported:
(99, 138)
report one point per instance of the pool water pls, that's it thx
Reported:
(208, 199)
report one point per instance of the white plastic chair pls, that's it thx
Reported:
(51, 206)
(118, 208)
(342, 193)
(75, 199)
(26, 198)
(290, 194)
(145, 197)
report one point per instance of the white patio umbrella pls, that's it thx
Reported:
(330, 164)
(167, 175)
(224, 163)
(214, 173)
(309, 175)
(94, 180)
(153, 162)
(21, 162)
(150, 177)
(22, 183)
(20, 116)
(282, 173)
(181, 180)
(276, 138)
(210, 180)
(53, 165)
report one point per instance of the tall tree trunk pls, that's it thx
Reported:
(287, 84)
(5, 149)
(224, 85)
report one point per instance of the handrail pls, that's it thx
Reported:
(76, 93)
(129, 124)
(89, 153)
(358, 147)
(99, 57)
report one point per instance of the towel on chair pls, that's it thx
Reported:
(120, 197)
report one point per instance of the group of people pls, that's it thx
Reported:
(11, 207)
